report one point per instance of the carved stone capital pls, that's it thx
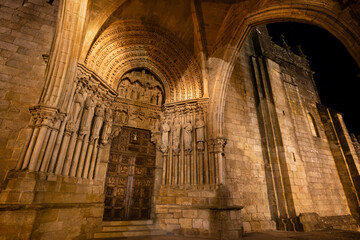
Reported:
(217, 145)
(115, 132)
(200, 145)
(43, 116)
(58, 119)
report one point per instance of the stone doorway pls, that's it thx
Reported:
(130, 176)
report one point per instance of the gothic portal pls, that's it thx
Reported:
(121, 117)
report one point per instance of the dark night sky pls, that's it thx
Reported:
(336, 72)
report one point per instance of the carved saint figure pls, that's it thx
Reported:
(128, 88)
(87, 115)
(124, 89)
(176, 135)
(147, 93)
(187, 130)
(200, 132)
(159, 98)
(106, 131)
(200, 129)
(156, 125)
(78, 104)
(165, 129)
(99, 115)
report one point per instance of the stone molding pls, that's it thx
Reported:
(117, 46)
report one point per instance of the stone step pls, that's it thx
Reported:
(122, 228)
(104, 235)
(127, 223)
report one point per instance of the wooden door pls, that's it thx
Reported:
(130, 176)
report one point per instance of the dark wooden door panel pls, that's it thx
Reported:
(130, 176)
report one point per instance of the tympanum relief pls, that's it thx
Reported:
(141, 86)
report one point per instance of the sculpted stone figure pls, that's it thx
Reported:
(99, 115)
(165, 129)
(87, 115)
(128, 88)
(200, 132)
(147, 94)
(159, 98)
(124, 89)
(187, 130)
(78, 104)
(156, 125)
(200, 129)
(176, 135)
(106, 131)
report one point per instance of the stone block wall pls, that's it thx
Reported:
(26, 32)
(344, 156)
(214, 222)
(313, 175)
(313, 184)
(41, 206)
(245, 170)
(16, 224)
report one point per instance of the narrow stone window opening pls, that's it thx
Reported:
(313, 127)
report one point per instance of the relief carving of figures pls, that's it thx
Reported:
(200, 131)
(124, 89)
(106, 131)
(87, 115)
(159, 98)
(176, 135)
(141, 86)
(99, 115)
(165, 129)
(121, 117)
(136, 89)
(156, 126)
(188, 128)
(147, 93)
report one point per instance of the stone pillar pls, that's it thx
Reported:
(95, 133)
(217, 160)
(345, 158)
(50, 147)
(61, 69)
(44, 122)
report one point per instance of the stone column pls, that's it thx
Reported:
(165, 130)
(55, 152)
(60, 73)
(50, 147)
(200, 146)
(65, 50)
(95, 132)
(190, 169)
(44, 121)
(104, 140)
(217, 160)
(156, 139)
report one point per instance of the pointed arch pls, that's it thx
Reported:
(238, 24)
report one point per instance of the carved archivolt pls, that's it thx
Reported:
(125, 45)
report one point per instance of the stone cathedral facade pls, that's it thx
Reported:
(177, 118)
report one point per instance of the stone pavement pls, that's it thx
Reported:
(273, 235)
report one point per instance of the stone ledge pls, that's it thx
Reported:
(39, 206)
